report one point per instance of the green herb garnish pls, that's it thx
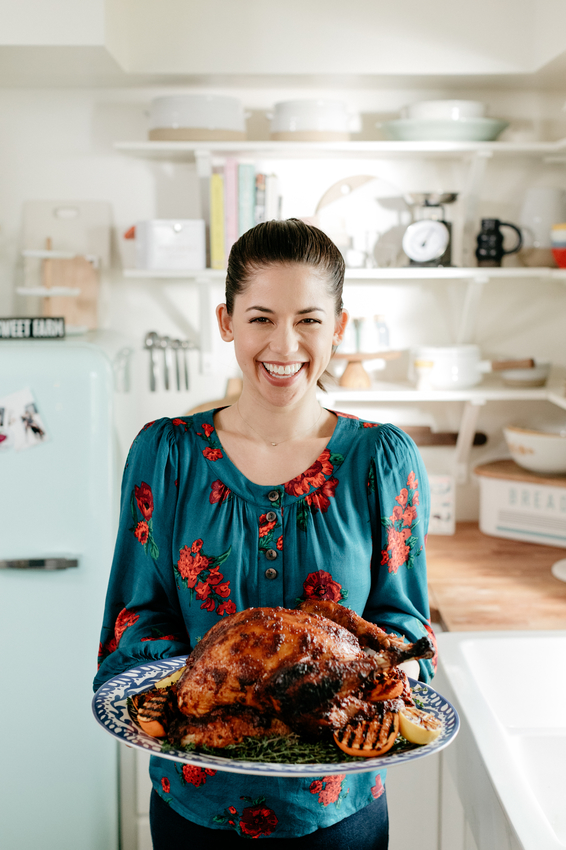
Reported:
(286, 750)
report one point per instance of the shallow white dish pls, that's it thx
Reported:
(462, 130)
(535, 377)
(110, 708)
(539, 451)
(444, 110)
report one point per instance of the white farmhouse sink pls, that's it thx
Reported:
(510, 691)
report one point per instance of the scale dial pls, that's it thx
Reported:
(426, 240)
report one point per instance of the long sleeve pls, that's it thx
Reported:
(399, 498)
(142, 617)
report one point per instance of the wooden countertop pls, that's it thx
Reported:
(482, 583)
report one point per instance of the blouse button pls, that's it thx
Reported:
(271, 516)
(271, 574)
(273, 495)
(271, 554)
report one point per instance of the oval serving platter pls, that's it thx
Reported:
(110, 708)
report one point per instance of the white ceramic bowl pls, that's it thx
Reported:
(194, 116)
(522, 378)
(437, 130)
(444, 110)
(330, 118)
(445, 367)
(539, 451)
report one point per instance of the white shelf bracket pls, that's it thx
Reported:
(470, 310)
(465, 439)
(203, 160)
(472, 193)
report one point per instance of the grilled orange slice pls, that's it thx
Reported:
(418, 726)
(369, 737)
(150, 715)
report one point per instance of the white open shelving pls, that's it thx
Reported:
(372, 275)
(476, 155)
(370, 149)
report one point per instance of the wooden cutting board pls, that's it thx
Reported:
(78, 311)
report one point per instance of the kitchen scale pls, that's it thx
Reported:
(427, 242)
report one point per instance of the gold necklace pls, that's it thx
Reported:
(294, 436)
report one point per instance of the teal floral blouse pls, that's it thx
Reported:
(198, 541)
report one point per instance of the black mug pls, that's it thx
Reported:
(490, 249)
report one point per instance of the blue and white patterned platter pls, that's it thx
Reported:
(110, 708)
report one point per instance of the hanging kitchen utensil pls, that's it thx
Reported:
(176, 345)
(151, 342)
(164, 343)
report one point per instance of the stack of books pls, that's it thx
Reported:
(240, 198)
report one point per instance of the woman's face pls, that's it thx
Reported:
(283, 326)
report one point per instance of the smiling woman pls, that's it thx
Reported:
(269, 503)
(284, 313)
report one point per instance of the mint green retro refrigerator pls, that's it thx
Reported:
(58, 492)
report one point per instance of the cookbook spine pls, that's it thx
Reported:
(217, 247)
(246, 197)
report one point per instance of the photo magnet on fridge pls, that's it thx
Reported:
(21, 422)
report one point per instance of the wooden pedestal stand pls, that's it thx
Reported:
(354, 376)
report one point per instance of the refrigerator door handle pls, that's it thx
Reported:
(39, 563)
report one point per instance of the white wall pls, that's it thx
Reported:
(327, 36)
(52, 22)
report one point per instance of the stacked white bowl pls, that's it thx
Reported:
(197, 117)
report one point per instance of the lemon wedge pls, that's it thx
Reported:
(417, 726)
(169, 680)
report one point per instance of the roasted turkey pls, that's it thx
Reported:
(269, 671)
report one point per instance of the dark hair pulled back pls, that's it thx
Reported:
(284, 243)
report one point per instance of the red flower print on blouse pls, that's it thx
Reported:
(208, 429)
(314, 476)
(212, 454)
(196, 775)
(227, 607)
(200, 574)
(258, 820)
(320, 499)
(165, 784)
(377, 789)
(279, 543)
(124, 620)
(265, 526)
(144, 499)
(190, 565)
(401, 545)
(321, 585)
(329, 789)
(219, 492)
(141, 531)
(345, 415)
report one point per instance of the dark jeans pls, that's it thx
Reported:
(367, 829)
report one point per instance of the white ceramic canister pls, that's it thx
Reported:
(196, 117)
(313, 120)
(450, 367)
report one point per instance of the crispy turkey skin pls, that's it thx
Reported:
(266, 670)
